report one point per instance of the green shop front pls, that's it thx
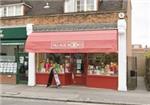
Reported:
(13, 59)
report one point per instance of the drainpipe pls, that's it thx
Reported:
(122, 53)
(31, 60)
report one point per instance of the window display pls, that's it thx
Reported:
(8, 64)
(103, 64)
(45, 63)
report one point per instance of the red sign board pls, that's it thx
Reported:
(67, 44)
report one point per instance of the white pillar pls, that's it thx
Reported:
(85, 5)
(122, 56)
(31, 73)
(31, 66)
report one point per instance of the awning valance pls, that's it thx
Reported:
(72, 42)
(12, 42)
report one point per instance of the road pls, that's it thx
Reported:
(20, 101)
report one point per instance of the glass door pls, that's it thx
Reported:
(22, 72)
(78, 67)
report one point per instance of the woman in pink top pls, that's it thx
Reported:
(47, 66)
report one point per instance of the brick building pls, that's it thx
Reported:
(140, 53)
(66, 16)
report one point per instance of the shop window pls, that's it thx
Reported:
(45, 62)
(103, 64)
(8, 65)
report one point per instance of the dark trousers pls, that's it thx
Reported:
(50, 78)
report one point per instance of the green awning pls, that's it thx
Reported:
(12, 42)
(14, 33)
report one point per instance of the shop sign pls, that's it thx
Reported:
(67, 44)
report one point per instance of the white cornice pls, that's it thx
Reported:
(12, 26)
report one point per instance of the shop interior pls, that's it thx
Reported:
(79, 66)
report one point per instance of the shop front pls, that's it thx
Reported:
(12, 46)
(87, 58)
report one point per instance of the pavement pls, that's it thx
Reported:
(76, 94)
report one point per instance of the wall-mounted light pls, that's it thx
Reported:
(46, 6)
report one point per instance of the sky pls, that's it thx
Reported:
(141, 22)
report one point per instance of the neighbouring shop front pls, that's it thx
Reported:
(14, 61)
(88, 58)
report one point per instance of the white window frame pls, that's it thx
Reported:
(2, 12)
(68, 6)
(21, 10)
(81, 6)
(90, 5)
(13, 10)
(6, 13)
(74, 9)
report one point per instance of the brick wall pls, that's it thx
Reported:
(7, 79)
(61, 19)
(129, 29)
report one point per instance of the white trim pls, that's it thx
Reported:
(75, 6)
(6, 11)
(6, 44)
(14, 10)
(18, 26)
(14, 7)
(95, 5)
(22, 10)
(29, 29)
(122, 56)
(85, 5)
(31, 71)
(31, 60)
(65, 7)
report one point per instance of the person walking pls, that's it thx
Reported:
(53, 74)
(50, 78)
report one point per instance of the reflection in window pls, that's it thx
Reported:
(103, 64)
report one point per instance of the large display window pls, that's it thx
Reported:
(103, 64)
(46, 61)
(8, 64)
(8, 58)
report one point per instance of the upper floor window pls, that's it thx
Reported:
(11, 10)
(18, 10)
(90, 5)
(80, 5)
(2, 12)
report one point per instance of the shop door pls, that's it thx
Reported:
(78, 67)
(22, 71)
